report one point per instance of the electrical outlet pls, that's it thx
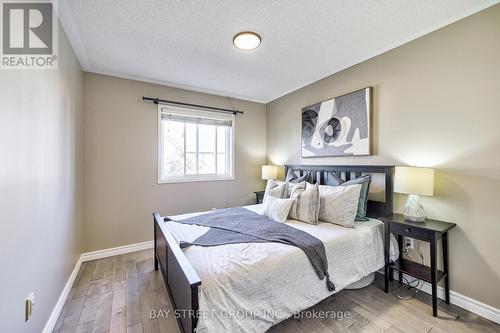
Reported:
(409, 243)
(29, 306)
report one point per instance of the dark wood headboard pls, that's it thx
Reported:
(347, 172)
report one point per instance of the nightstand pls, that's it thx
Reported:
(259, 196)
(428, 231)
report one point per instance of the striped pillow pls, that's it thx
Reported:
(277, 209)
(307, 204)
(334, 180)
(292, 177)
(339, 204)
(275, 189)
(290, 187)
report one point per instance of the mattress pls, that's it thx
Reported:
(251, 287)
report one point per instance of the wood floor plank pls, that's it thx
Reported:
(287, 327)
(64, 311)
(120, 273)
(148, 324)
(132, 285)
(78, 275)
(99, 287)
(118, 320)
(103, 316)
(85, 328)
(110, 269)
(116, 294)
(89, 309)
(72, 317)
(155, 280)
(81, 287)
(99, 271)
(340, 317)
(80, 291)
(370, 316)
(161, 302)
(393, 329)
(369, 328)
(446, 321)
(119, 298)
(131, 270)
(144, 267)
(338, 326)
(88, 271)
(133, 309)
(365, 324)
(137, 328)
(119, 285)
(311, 325)
(382, 305)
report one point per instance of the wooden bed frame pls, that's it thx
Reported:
(181, 279)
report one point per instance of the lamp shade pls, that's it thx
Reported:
(413, 180)
(269, 172)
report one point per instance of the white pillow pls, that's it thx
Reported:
(291, 186)
(277, 209)
(339, 204)
(275, 189)
(306, 206)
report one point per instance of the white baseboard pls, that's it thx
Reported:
(51, 323)
(467, 303)
(94, 255)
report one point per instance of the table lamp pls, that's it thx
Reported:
(414, 182)
(269, 172)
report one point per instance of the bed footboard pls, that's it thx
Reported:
(179, 276)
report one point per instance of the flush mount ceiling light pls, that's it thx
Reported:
(247, 40)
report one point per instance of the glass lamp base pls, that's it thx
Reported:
(413, 210)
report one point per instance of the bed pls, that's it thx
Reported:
(207, 284)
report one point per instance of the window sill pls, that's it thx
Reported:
(194, 179)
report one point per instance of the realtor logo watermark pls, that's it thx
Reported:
(29, 35)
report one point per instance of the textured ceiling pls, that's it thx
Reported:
(188, 43)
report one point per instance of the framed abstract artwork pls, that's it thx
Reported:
(339, 126)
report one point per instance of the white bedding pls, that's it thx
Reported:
(272, 281)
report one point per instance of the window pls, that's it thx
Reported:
(194, 145)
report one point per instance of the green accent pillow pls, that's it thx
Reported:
(333, 180)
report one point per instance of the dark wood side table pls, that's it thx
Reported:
(428, 231)
(259, 196)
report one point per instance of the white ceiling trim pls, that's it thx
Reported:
(400, 43)
(73, 34)
(177, 86)
(72, 31)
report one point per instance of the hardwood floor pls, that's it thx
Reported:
(116, 294)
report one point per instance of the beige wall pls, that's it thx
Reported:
(40, 187)
(121, 189)
(436, 103)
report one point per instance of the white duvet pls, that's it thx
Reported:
(251, 287)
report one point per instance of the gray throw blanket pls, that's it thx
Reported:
(240, 225)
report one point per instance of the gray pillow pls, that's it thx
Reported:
(292, 177)
(275, 189)
(306, 203)
(277, 209)
(333, 180)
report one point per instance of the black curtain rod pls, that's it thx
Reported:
(167, 102)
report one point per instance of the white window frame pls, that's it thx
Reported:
(198, 177)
